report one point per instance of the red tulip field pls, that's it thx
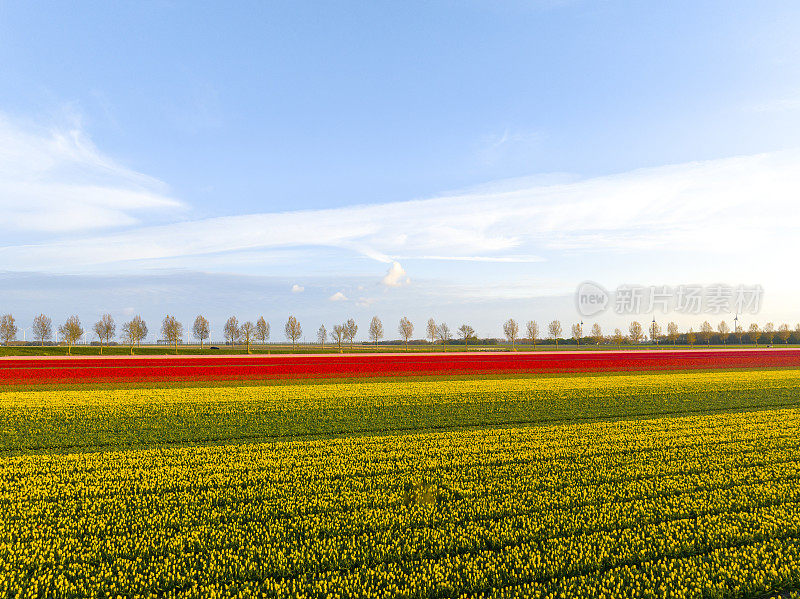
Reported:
(117, 369)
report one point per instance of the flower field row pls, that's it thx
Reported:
(132, 369)
(694, 506)
(74, 418)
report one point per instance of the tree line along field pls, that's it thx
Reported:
(134, 333)
(678, 484)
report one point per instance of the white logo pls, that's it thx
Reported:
(591, 299)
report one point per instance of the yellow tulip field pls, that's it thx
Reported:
(536, 487)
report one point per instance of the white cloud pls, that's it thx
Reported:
(742, 204)
(56, 181)
(524, 259)
(786, 103)
(395, 276)
(509, 147)
(297, 288)
(338, 297)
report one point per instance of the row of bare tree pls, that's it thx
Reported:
(247, 333)
(636, 333)
(133, 331)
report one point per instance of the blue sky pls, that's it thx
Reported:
(463, 160)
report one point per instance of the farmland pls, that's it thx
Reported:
(684, 507)
(22, 371)
(659, 484)
(76, 418)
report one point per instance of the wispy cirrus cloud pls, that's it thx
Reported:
(508, 147)
(54, 180)
(690, 207)
(518, 259)
(781, 104)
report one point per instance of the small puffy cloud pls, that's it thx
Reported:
(297, 288)
(338, 297)
(365, 302)
(395, 276)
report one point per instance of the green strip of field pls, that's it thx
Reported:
(49, 420)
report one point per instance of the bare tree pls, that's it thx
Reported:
(754, 332)
(8, 329)
(70, 332)
(672, 332)
(532, 330)
(619, 338)
(134, 331)
(443, 334)
(293, 330)
(128, 335)
(231, 331)
(691, 337)
(655, 332)
(724, 331)
(351, 328)
(739, 332)
(769, 332)
(376, 330)
(201, 329)
(636, 333)
(784, 333)
(141, 329)
(172, 330)
(554, 328)
(406, 330)
(42, 328)
(577, 333)
(105, 328)
(430, 329)
(322, 335)
(339, 335)
(262, 330)
(706, 330)
(466, 331)
(597, 334)
(247, 333)
(511, 331)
